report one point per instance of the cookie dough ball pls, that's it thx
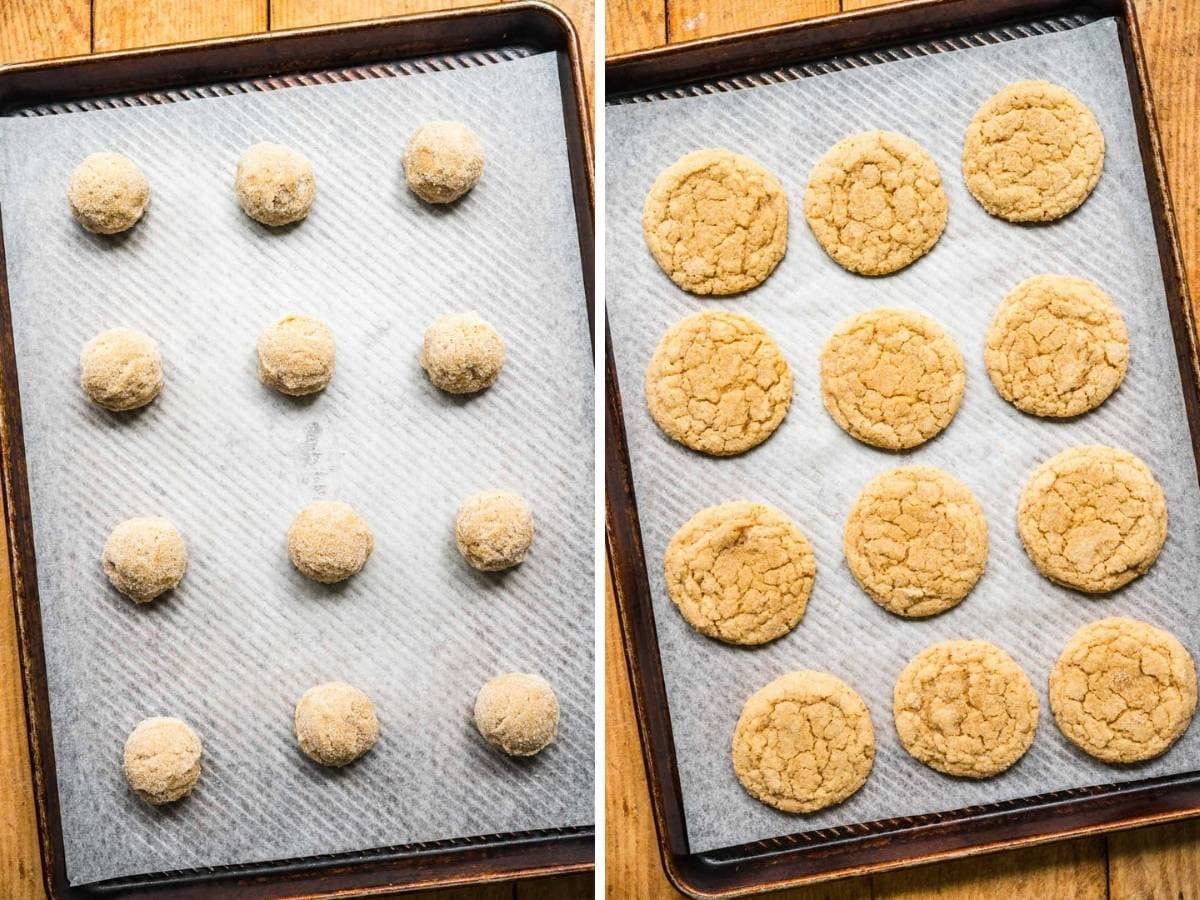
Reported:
(892, 378)
(716, 222)
(718, 383)
(162, 760)
(1057, 346)
(803, 742)
(965, 708)
(145, 557)
(328, 541)
(1093, 518)
(121, 369)
(493, 530)
(275, 185)
(740, 572)
(335, 723)
(443, 161)
(1123, 691)
(108, 193)
(517, 713)
(1032, 153)
(462, 354)
(296, 355)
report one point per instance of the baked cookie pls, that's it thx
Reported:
(716, 222)
(916, 541)
(740, 572)
(875, 202)
(1093, 518)
(1057, 346)
(965, 708)
(892, 378)
(718, 383)
(1122, 690)
(803, 742)
(1032, 153)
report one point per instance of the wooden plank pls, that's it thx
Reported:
(301, 13)
(688, 20)
(634, 25)
(123, 24)
(1155, 862)
(567, 887)
(43, 29)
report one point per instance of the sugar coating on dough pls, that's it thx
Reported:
(121, 369)
(108, 193)
(162, 760)
(275, 185)
(462, 354)
(892, 378)
(965, 708)
(335, 723)
(875, 202)
(716, 222)
(145, 557)
(518, 713)
(1032, 153)
(718, 383)
(1122, 690)
(916, 541)
(443, 161)
(328, 541)
(494, 530)
(1093, 518)
(740, 572)
(296, 355)
(803, 742)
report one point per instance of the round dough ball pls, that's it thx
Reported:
(145, 557)
(493, 530)
(275, 185)
(162, 760)
(518, 713)
(108, 193)
(296, 355)
(443, 161)
(462, 354)
(121, 369)
(335, 723)
(328, 541)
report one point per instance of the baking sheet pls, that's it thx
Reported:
(813, 471)
(231, 462)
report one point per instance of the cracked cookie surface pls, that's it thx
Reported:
(1122, 690)
(892, 378)
(740, 572)
(716, 222)
(875, 202)
(965, 708)
(916, 541)
(1093, 518)
(1057, 346)
(1032, 153)
(803, 742)
(718, 383)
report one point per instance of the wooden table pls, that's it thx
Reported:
(1147, 864)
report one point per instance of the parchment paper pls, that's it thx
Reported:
(231, 462)
(813, 471)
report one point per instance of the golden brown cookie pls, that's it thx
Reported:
(892, 378)
(965, 708)
(1093, 518)
(718, 383)
(916, 541)
(1057, 346)
(716, 222)
(1032, 153)
(1122, 690)
(740, 572)
(875, 202)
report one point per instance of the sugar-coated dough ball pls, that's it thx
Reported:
(108, 193)
(275, 184)
(329, 541)
(462, 353)
(162, 760)
(335, 723)
(443, 161)
(121, 369)
(518, 713)
(296, 355)
(145, 557)
(494, 530)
